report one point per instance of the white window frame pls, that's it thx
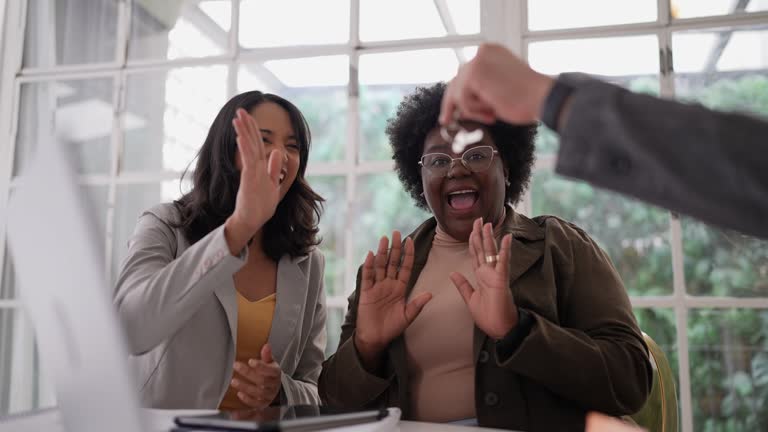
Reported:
(502, 21)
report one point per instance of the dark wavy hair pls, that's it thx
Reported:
(417, 115)
(293, 228)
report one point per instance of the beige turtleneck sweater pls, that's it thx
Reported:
(438, 343)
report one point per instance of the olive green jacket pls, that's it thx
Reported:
(584, 350)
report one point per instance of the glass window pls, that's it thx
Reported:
(634, 235)
(164, 123)
(632, 62)
(383, 83)
(380, 207)
(293, 22)
(606, 57)
(719, 69)
(65, 32)
(334, 320)
(659, 324)
(698, 8)
(8, 283)
(725, 69)
(729, 369)
(321, 96)
(413, 19)
(723, 263)
(78, 112)
(333, 223)
(558, 14)
(131, 201)
(185, 28)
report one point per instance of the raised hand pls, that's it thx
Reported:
(259, 191)
(383, 313)
(258, 381)
(490, 302)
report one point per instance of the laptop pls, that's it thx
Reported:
(59, 268)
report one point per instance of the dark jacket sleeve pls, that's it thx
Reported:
(706, 164)
(595, 355)
(344, 382)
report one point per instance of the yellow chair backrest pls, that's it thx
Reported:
(659, 414)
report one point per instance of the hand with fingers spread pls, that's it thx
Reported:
(490, 302)
(383, 313)
(259, 190)
(258, 382)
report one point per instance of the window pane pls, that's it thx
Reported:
(659, 324)
(22, 386)
(413, 19)
(335, 317)
(729, 369)
(381, 206)
(131, 201)
(608, 57)
(384, 82)
(698, 8)
(631, 62)
(333, 224)
(588, 13)
(293, 22)
(8, 287)
(723, 69)
(187, 28)
(719, 69)
(723, 263)
(168, 114)
(63, 32)
(321, 96)
(79, 112)
(634, 235)
(465, 15)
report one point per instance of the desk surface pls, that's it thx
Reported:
(162, 421)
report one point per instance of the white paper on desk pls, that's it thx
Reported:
(162, 420)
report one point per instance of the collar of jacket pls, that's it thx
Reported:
(526, 249)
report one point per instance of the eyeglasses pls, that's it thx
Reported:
(476, 159)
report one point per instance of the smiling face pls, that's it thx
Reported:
(461, 196)
(278, 133)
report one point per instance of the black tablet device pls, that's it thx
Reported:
(295, 418)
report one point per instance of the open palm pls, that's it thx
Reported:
(490, 303)
(259, 191)
(383, 313)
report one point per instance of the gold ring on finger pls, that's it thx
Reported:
(491, 259)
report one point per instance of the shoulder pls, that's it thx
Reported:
(558, 229)
(158, 223)
(312, 265)
(167, 213)
(567, 238)
(316, 259)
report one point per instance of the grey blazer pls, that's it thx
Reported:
(179, 307)
(707, 164)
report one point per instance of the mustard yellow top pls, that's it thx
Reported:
(254, 321)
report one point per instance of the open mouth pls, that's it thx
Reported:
(463, 199)
(283, 174)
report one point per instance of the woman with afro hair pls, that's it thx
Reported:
(483, 315)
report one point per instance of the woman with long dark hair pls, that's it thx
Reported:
(221, 293)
